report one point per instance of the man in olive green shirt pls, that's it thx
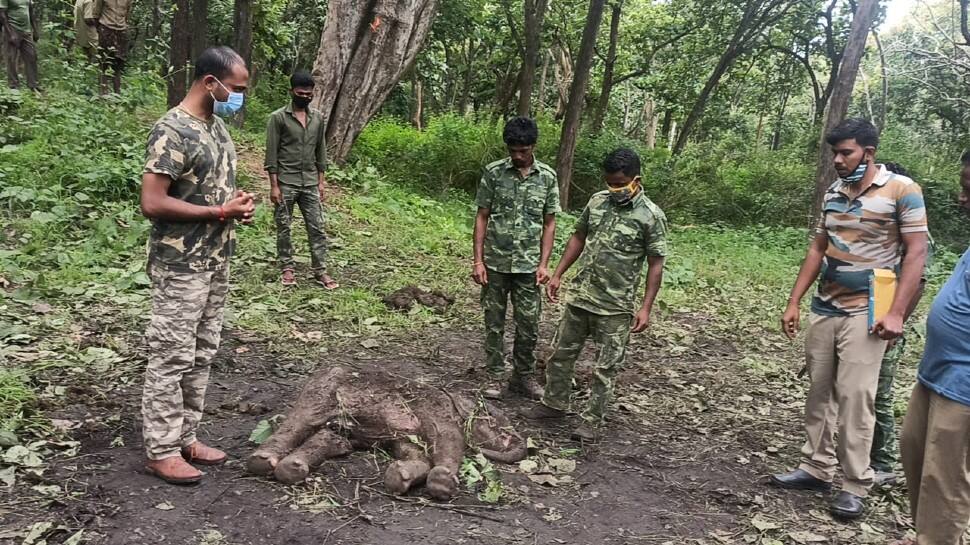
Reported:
(18, 23)
(515, 226)
(85, 30)
(111, 18)
(296, 160)
(619, 230)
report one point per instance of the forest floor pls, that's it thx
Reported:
(708, 405)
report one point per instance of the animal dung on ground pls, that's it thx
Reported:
(404, 299)
(426, 429)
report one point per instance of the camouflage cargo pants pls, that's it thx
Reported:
(308, 200)
(885, 451)
(183, 337)
(610, 333)
(526, 312)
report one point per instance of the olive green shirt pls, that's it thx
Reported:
(113, 13)
(296, 154)
(199, 156)
(18, 14)
(517, 207)
(619, 237)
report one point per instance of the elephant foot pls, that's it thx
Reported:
(291, 470)
(261, 463)
(442, 483)
(401, 475)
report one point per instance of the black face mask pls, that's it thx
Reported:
(301, 102)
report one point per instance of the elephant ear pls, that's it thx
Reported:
(489, 430)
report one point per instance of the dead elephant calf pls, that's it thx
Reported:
(425, 428)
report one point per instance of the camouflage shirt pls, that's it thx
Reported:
(864, 234)
(200, 158)
(618, 240)
(517, 206)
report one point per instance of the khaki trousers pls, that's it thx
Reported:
(936, 458)
(843, 364)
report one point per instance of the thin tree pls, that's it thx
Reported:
(178, 52)
(574, 107)
(758, 15)
(535, 11)
(841, 96)
(609, 63)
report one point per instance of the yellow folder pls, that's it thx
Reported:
(882, 290)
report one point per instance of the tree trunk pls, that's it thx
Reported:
(779, 121)
(535, 11)
(200, 28)
(668, 119)
(364, 51)
(841, 95)
(884, 75)
(564, 75)
(650, 122)
(577, 92)
(672, 137)
(727, 59)
(179, 52)
(607, 89)
(418, 100)
(466, 85)
(541, 93)
(242, 42)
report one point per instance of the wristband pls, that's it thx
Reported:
(222, 213)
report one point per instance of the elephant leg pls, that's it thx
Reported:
(308, 456)
(448, 451)
(410, 467)
(290, 435)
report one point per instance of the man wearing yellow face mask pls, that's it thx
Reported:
(618, 230)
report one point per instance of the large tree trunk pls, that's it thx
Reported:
(841, 95)
(200, 27)
(650, 123)
(577, 92)
(179, 52)
(242, 23)
(535, 11)
(607, 89)
(364, 50)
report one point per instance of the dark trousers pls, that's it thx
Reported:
(20, 47)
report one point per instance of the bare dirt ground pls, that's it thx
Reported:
(697, 428)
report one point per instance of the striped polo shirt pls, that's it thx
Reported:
(864, 233)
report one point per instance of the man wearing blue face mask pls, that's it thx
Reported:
(189, 192)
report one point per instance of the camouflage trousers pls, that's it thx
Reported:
(885, 451)
(182, 337)
(308, 200)
(610, 333)
(526, 312)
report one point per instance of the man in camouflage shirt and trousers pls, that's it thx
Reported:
(618, 230)
(189, 192)
(518, 199)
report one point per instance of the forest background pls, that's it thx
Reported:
(725, 101)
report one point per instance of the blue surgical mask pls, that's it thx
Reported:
(857, 174)
(231, 105)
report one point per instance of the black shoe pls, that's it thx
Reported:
(847, 506)
(586, 433)
(526, 387)
(800, 480)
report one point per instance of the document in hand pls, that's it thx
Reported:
(882, 290)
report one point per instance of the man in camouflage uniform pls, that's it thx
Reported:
(189, 192)
(518, 199)
(20, 32)
(110, 17)
(296, 161)
(85, 29)
(618, 230)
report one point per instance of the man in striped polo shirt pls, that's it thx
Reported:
(868, 215)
